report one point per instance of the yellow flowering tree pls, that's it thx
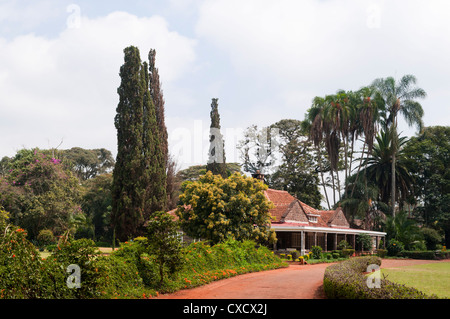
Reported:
(217, 209)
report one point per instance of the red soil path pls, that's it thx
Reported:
(293, 282)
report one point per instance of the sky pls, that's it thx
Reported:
(264, 61)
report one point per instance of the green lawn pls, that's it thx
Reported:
(428, 278)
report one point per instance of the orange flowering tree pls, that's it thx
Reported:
(19, 262)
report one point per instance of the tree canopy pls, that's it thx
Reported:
(217, 209)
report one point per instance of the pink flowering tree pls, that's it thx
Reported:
(40, 192)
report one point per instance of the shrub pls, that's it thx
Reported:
(365, 240)
(431, 237)
(81, 252)
(163, 242)
(427, 255)
(346, 280)
(316, 251)
(347, 252)
(295, 254)
(19, 264)
(336, 255)
(381, 253)
(394, 247)
(45, 237)
(343, 244)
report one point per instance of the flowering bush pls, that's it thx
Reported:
(19, 264)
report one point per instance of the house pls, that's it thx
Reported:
(299, 226)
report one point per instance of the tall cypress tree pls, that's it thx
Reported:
(158, 100)
(138, 180)
(216, 160)
(156, 94)
(154, 155)
(127, 194)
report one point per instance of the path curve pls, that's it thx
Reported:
(293, 282)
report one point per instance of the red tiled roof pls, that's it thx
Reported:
(284, 212)
(281, 200)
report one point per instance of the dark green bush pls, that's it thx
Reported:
(394, 247)
(347, 252)
(346, 280)
(427, 255)
(295, 254)
(431, 237)
(316, 250)
(381, 253)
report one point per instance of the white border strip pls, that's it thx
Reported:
(326, 230)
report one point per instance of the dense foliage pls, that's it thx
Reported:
(132, 271)
(40, 192)
(218, 209)
(139, 176)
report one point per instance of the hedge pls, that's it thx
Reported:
(428, 254)
(347, 280)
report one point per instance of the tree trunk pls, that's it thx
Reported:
(394, 153)
(393, 184)
(359, 168)
(321, 176)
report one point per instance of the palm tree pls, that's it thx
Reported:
(378, 164)
(403, 229)
(400, 97)
(369, 106)
(314, 124)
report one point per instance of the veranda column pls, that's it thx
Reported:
(335, 241)
(326, 244)
(315, 238)
(354, 241)
(302, 245)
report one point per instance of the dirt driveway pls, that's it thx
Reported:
(294, 282)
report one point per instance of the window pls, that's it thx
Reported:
(312, 219)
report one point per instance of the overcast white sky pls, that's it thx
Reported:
(264, 61)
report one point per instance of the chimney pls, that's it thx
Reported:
(258, 175)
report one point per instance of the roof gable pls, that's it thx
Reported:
(288, 209)
(338, 219)
(294, 213)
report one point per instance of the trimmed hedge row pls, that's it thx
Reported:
(347, 280)
(428, 254)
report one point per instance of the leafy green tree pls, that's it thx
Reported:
(217, 209)
(96, 204)
(40, 193)
(216, 160)
(139, 174)
(88, 163)
(427, 158)
(164, 243)
(297, 173)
